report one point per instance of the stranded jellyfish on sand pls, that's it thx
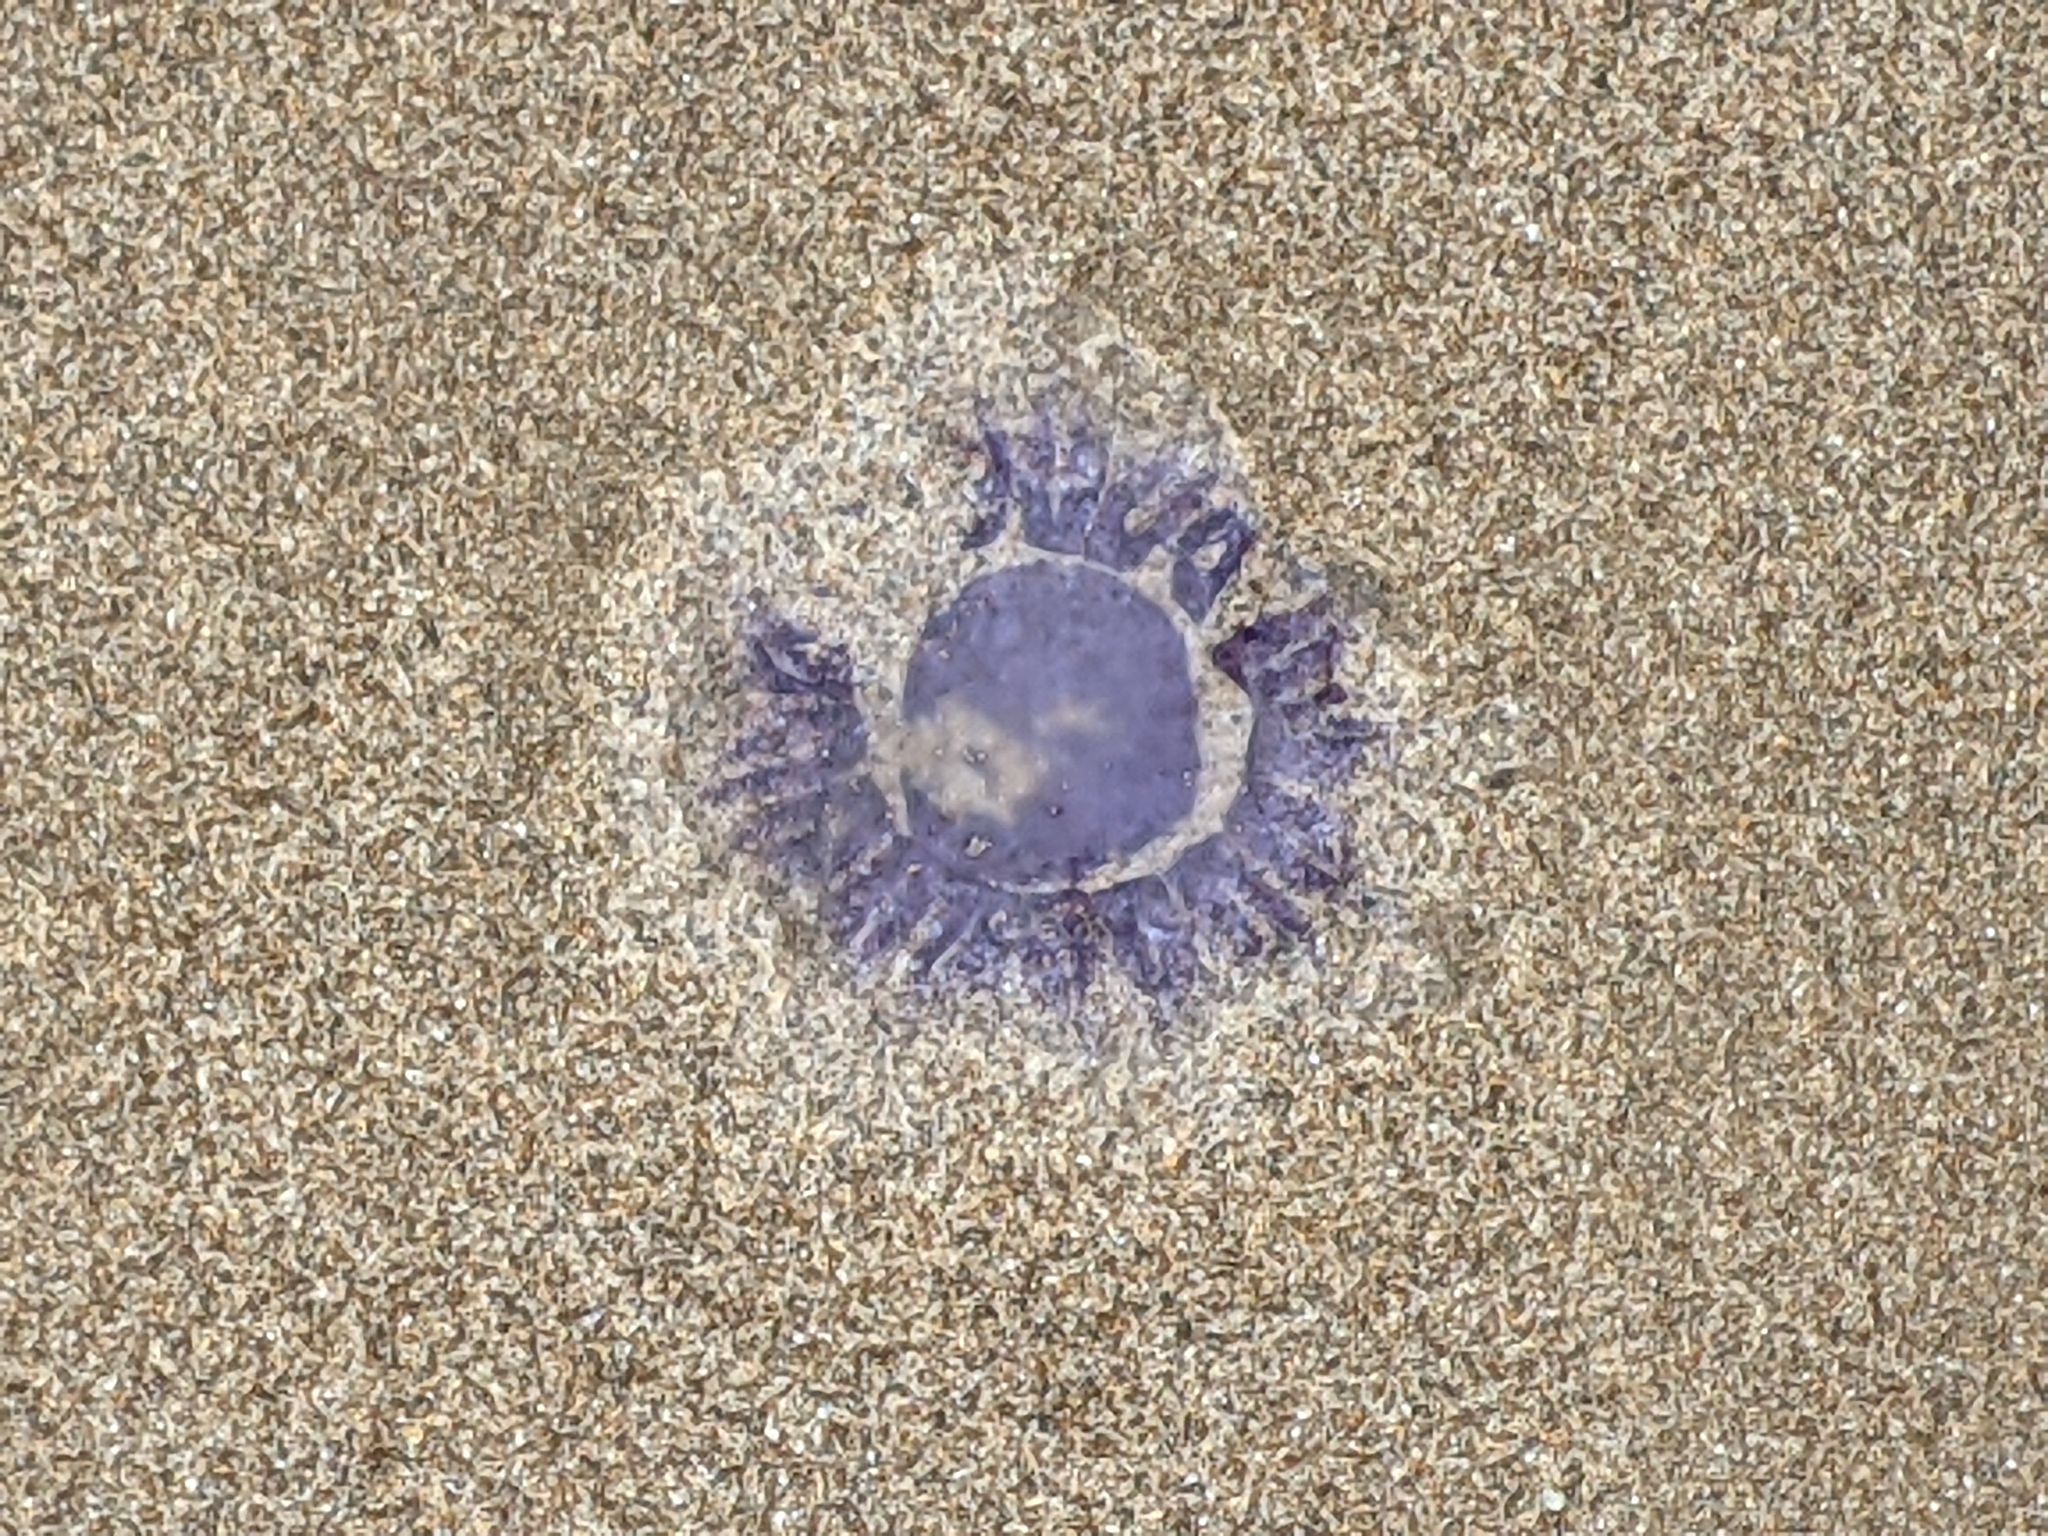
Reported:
(1073, 769)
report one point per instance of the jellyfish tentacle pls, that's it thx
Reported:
(766, 790)
(977, 959)
(1150, 512)
(1036, 465)
(862, 831)
(1258, 655)
(1279, 910)
(1298, 841)
(1225, 536)
(777, 784)
(1304, 670)
(1209, 882)
(1302, 747)
(1242, 884)
(1180, 507)
(811, 727)
(813, 834)
(995, 490)
(1057, 952)
(1109, 537)
(1287, 663)
(785, 658)
(1150, 938)
(1065, 511)
(876, 914)
(1176, 510)
(789, 834)
(1262, 911)
(963, 910)
(802, 739)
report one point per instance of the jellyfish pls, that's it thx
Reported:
(1075, 772)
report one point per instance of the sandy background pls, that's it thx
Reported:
(411, 1120)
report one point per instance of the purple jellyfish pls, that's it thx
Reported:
(1034, 805)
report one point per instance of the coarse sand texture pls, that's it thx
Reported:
(1025, 768)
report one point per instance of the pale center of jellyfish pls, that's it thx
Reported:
(970, 765)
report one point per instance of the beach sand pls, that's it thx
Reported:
(415, 1117)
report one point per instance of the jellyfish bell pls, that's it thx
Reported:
(1050, 726)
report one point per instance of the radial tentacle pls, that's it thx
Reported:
(1152, 938)
(1209, 554)
(1287, 662)
(784, 657)
(1058, 949)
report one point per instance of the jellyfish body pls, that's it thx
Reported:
(1053, 726)
(1048, 739)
